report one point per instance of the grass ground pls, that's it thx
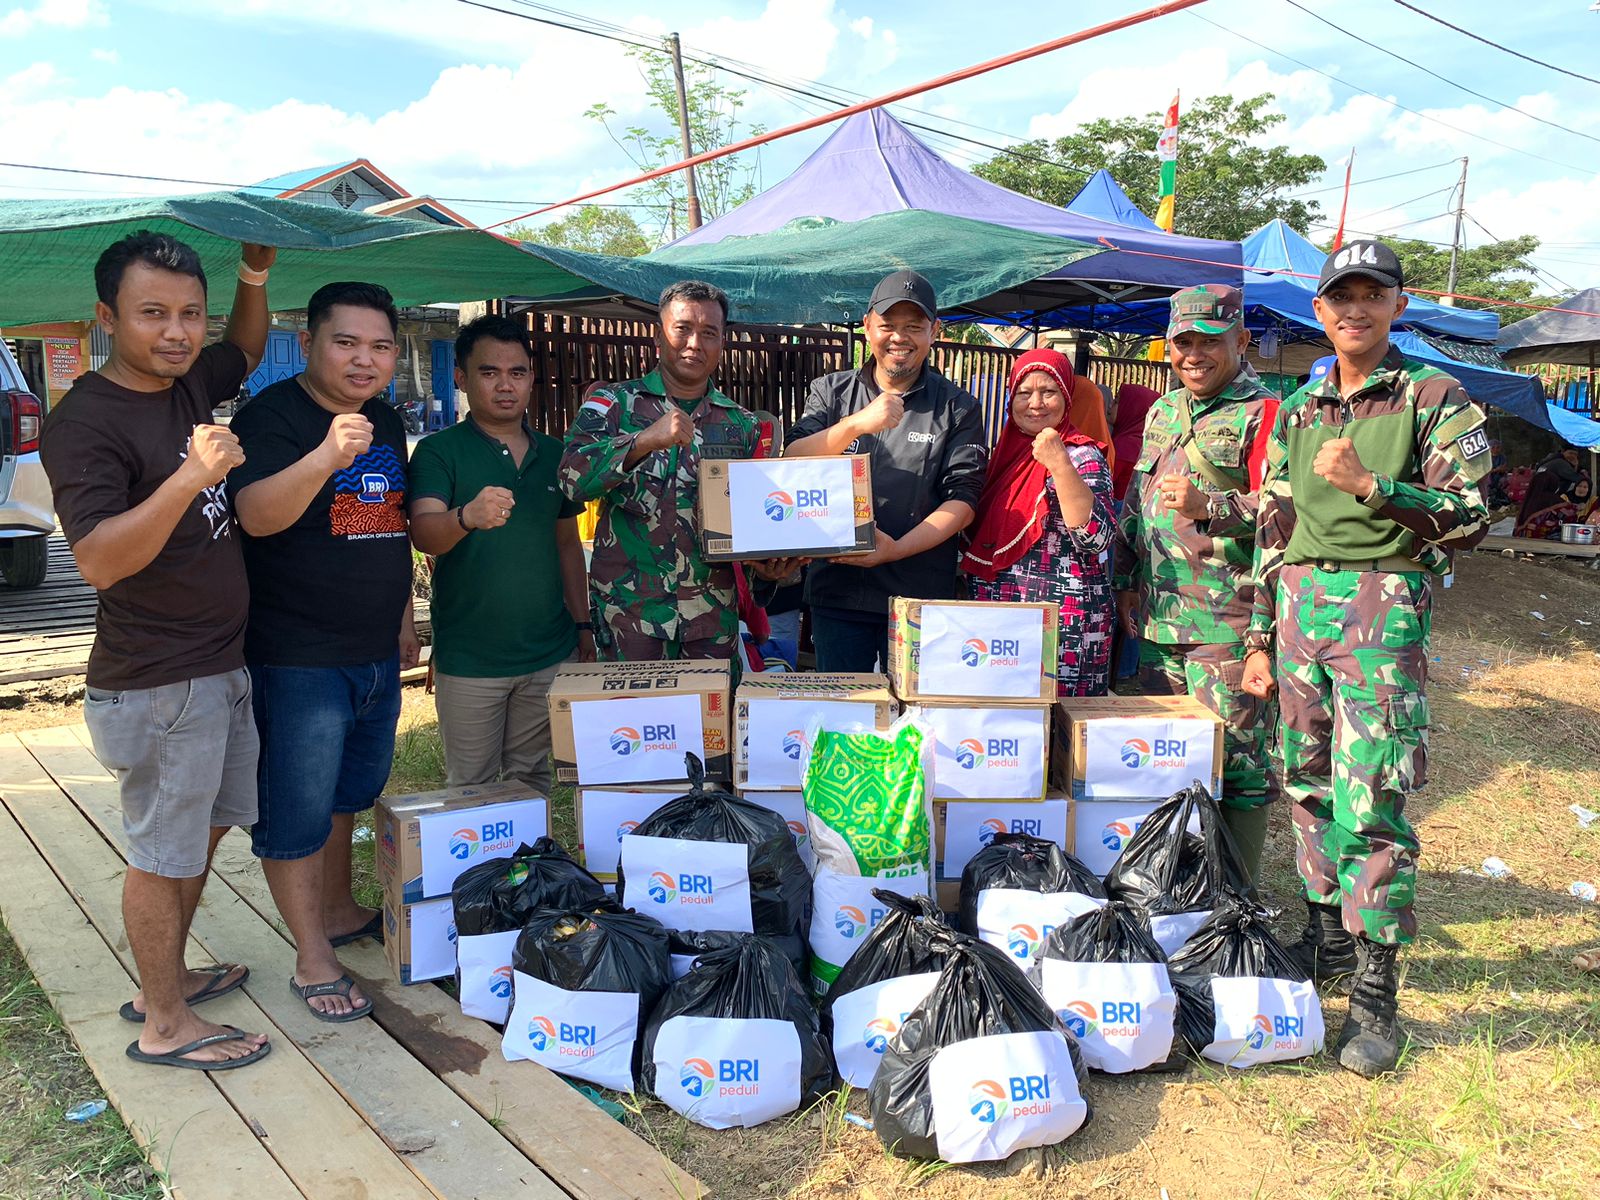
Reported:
(1497, 1095)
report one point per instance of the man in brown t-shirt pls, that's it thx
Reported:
(138, 469)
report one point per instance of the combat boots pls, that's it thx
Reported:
(1369, 1043)
(1325, 950)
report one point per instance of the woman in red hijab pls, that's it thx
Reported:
(1044, 520)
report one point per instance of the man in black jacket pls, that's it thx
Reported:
(925, 438)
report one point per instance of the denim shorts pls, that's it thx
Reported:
(184, 755)
(327, 742)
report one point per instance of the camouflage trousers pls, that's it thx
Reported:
(620, 636)
(1211, 672)
(1352, 671)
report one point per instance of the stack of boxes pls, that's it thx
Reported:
(424, 841)
(619, 731)
(983, 677)
(772, 718)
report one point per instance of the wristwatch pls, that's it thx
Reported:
(585, 626)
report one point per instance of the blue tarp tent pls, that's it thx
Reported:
(1102, 199)
(872, 165)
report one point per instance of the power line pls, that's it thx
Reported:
(1460, 87)
(1478, 37)
(1561, 284)
(1338, 187)
(1355, 87)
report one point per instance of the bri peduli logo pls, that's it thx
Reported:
(794, 744)
(685, 888)
(625, 740)
(996, 652)
(1024, 941)
(878, 1032)
(779, 506)
(969, 754)
(500, 983)
(463, 844)
(1279, 1032)
(730, 1077)
(995, 826)
(572, 1041)
(1080, 1017)
(805, 502)
(799, 832)
(1167, 754)
(987, 1101)
(850, 921)
(1117, 834)
(989, 830)
(485, 839)
(626, 828)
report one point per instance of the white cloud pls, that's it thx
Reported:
(52, 14)
(31, 78)
(862, 27)
(105, 56)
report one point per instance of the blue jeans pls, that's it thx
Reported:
(327, 743)
(849, 644)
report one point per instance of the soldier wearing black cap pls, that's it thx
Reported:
(925, 437)
(1371, 484)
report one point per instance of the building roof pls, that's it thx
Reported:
(295, 182)
(427, 206)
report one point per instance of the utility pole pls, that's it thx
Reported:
(1455, 242)
(683, 129)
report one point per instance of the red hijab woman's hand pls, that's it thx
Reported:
(1050, 452)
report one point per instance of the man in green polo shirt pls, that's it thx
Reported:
(485, 504)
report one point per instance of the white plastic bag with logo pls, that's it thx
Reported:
(483, 962)
(587, 1035)
(993, 1096)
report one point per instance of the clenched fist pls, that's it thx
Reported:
(1180, 495)
(213, 452)
(349, 437)
(1338, 463)
(1050, 452)
(887, 411)
(672, 428)
(490, 508)
(1257, 678)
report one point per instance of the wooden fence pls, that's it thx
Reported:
(765, 368)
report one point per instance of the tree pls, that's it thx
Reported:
(713, 121)
(1491, 271)
(590, 227)
(1229, 182)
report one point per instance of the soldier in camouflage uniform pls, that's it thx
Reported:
(1187, 539)
(1372, 481)
(636, 446)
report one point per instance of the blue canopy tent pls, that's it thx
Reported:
(1102, 199)
(873, 165)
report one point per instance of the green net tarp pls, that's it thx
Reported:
(821, 273)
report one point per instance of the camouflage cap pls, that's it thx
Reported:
(1211, 308)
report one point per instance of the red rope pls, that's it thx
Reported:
(993, 64)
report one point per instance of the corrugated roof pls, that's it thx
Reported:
(294, 179)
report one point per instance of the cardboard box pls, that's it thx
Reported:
(772, 712)
(963, 827)
(987, 751)
(1103, 828)
(605, 815)
(419, 940)
(785, 507)
(628, 723)
(972, 650)
(1135, 747)
(426, 839)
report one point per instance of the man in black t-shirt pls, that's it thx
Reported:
(138, 469)
(322, 499)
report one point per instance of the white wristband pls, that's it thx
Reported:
(252, 277)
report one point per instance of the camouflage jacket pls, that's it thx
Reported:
(1422, 438)
(1193, 577)
(647, 557)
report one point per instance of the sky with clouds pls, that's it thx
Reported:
(457, 101)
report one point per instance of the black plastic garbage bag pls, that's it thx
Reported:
(1241, 998)
(980, 1069)
(1105, 977)
(1018, 888)
(1179, 877)
(500, 894)
(883, 982)
(585, 979)
(710, 860)
(735, 1042)
(686, 945)
(493, 901)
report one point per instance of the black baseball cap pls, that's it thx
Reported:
(904, 285)
(1369, 258)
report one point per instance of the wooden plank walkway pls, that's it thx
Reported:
(46, 632)
(416, 1103)
(1497, 541)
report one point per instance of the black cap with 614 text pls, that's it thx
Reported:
(1366, 257)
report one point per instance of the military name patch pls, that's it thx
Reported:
(1473, 443)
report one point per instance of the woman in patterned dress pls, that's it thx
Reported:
(1044, 520)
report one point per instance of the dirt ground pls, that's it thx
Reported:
(1497, 1093)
